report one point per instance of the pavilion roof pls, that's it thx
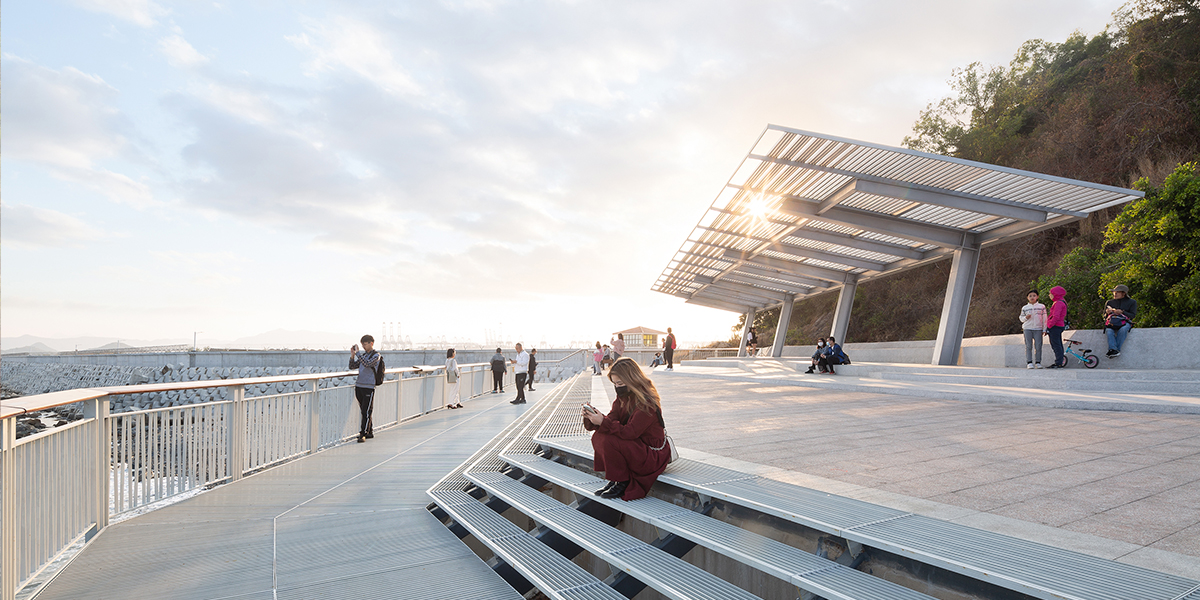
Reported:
(805, 213)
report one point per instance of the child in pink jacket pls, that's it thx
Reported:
(1056, 322)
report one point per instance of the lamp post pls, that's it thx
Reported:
(194, 333)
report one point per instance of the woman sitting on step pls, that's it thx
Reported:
(630, 442)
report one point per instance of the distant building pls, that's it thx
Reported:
(641, 337)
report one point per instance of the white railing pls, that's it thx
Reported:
(62, 486)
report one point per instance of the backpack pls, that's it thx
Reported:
(497, 364)
(379, 371)
(671, 340)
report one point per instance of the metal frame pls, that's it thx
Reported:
(817, 213)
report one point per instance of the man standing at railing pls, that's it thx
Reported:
(532, 367)
(364, 387)
(669, 349)
(522, 363)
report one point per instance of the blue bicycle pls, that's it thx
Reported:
(1085, 356)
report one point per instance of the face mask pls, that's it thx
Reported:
(820, 344)
(621, 389)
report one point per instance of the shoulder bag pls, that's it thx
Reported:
(668, 442)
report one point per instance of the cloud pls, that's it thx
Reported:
(180, 53)
(348, 44)
(65, 120)
(144, 13)
(34, 227)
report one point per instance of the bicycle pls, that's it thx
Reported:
(1088, 359)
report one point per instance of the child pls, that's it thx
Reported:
(1056, 322)
(1033, 323)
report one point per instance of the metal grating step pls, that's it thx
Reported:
(553, 574)
(671, 576)
(811, 573)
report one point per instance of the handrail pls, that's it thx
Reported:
(24, 404)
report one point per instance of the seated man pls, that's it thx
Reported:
(828, 358)
(657, 360)
(1118, 319)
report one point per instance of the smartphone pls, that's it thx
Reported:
(590, 408)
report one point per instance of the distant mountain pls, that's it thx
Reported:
(112, 346)
(35, 347)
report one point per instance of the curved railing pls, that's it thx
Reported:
(63, 485)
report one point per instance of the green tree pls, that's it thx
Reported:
(1157, 241)
(1080, 273)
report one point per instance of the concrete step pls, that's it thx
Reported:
(1021, 380)
(1074, 370)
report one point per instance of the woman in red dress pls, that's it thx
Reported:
(630, 441)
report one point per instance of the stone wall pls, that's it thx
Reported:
(1145, 348)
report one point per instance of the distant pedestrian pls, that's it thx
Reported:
(830, 356)
(608, 359)
(658, 360)
(1033, 323)
(453, 372)
(619, 346)
(522, 362)
(816, 357)
(669, 349)
(498, 368)
(364, 387)
(1118, 319)
(1056, 322)
(598, 359)
(752, 343)
(532, 367)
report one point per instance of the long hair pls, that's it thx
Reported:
(645, 395)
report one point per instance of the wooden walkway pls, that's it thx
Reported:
(347, 522)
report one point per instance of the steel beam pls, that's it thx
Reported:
(841, 314)
(842, 239)
(944, 193)
(903, 228)
(750, 314)
(833, 257)
(787, 266)
(785, 317)
(733, 277)
(837, 197)
(768, 296)
(954, 308)
(749, 268)
(951, 199)
(717, 304)
(744, 300)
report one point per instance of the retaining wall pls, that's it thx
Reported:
(1145, 348)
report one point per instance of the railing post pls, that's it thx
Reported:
(314, 417)
(236, 434)
(8, 516)
(399, 398)
(98, 409)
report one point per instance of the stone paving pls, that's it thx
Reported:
(1133, 478)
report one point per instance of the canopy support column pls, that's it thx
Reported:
(841, 315)
(954, 309)
(785, 315)
(745, 330)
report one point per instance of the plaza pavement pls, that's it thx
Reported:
(1116, 484)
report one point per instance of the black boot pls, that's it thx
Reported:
(607, 486)
(616, 491)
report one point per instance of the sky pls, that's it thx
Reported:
(461, 168)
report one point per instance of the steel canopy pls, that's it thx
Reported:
(807, 213)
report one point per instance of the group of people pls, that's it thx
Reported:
(526, 368)
(606, 355)
(1037, 321)
(828, 354)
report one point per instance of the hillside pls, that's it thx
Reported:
(1113, 109)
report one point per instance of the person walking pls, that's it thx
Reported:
(598, 359)
(1118, 319)
(532, 367)
(453, 372)
(498, 368)
(619, 346)
(630, 442)
(669, 349)
(1056, 322)
(364, 387)
(522, 362)
(1033, 323)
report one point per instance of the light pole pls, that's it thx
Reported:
(194, 339)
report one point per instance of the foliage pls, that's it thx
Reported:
(1158, 251)
(1079, 273)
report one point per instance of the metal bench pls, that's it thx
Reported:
(1027, 567)
(809, 572)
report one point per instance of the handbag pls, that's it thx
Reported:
(668, 442)
(1115, 321)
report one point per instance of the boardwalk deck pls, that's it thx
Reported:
(348, 522)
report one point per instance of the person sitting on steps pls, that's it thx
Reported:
(630, 442)
(817, 356)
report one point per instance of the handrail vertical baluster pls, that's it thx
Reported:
(235, 426)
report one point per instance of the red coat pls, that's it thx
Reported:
(624, 448)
